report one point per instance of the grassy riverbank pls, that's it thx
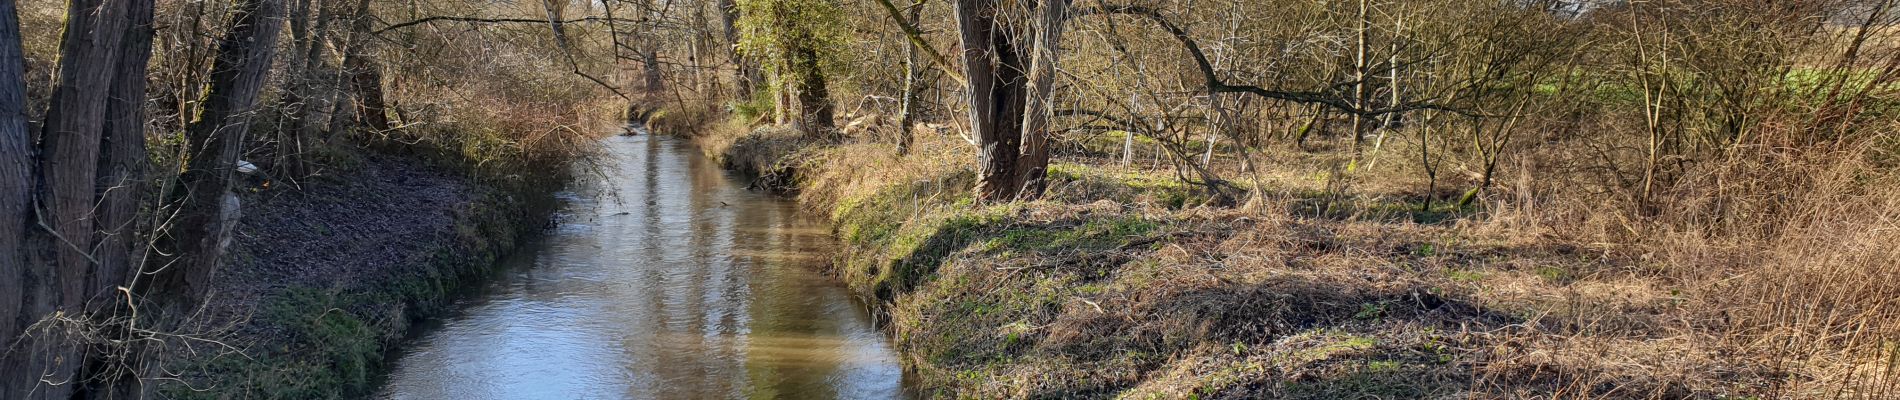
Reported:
(1119, 285)
(323, 281)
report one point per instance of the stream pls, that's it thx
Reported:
(664, 279)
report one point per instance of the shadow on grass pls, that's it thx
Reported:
(1426, 209)
(1316, 338)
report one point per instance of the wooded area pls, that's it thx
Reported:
(1739, 154)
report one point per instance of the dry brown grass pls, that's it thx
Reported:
(1783, 257)
(1765, 277)
(510, 134)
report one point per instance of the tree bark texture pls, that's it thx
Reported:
(747, 74)
(204, 222)
(913, 85)
(122, 158)
(66, 215)
(16, 188)
(814, 95)
(1033, 164)
(999, 83)
(366, 75)
(112, 370)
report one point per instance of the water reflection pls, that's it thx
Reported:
(670, 281)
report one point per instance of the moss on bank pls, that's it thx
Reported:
(325, 281)
(1117, 285)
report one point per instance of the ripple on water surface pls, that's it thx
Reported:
(667, 279)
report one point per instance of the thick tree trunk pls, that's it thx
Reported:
(122, 166)
(206, 214)
(652, 76)
(16, 188)
(342, 108)
(70, 140)
(122, 159)
(992, 90)
(66, 191)
(1033, 165)
(366, 82)
(976, 19)
(999, 98)
(814, 95)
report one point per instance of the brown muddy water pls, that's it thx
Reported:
(666, 279)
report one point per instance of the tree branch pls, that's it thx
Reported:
(450, 18)
(917, 39)
(1215, 85)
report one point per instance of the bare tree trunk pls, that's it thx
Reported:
(781, 105)
(66, 192)
(996, 92)
(1213, 133)
(702, 39)
(1128, 136)
(16, 188)
(814, 95)
(122, 166)
(308, 22)
(74, 245)
(653, 77)
(1360, 91)
(1389, 122)
(650, 71)
(70, 141)
(1392, 63)
(366, 83)
(747, 75)
(208, 209)
(1425, 161)
(366, 76)
(1321, 123)
(319, 101)
(1033, 162)
(913, 85)
(122, 160)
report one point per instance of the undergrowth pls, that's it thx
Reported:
(1119, 284)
